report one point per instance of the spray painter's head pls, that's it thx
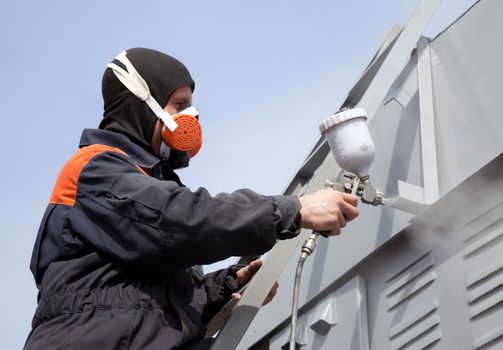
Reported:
(349, 139)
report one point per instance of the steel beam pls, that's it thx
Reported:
(427, 122)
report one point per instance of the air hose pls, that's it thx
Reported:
(307, 249)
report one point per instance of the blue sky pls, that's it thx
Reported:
(267, 73)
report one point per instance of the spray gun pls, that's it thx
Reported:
(349, 139)
(351, 144)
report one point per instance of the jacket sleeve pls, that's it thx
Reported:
(157, 224)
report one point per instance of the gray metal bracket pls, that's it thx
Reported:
(412, 198)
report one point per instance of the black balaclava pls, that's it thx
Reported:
(127, 114)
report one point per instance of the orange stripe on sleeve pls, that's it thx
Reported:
(65, 190)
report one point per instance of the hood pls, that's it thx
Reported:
(124, 112)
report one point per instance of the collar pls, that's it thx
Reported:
(144, 159)
(141, 156)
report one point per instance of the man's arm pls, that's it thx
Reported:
(155, 224)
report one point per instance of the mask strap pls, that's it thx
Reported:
(138, 86)
(191, 110)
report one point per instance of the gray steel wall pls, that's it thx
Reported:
(436, 281)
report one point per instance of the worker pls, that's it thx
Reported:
(117, 259)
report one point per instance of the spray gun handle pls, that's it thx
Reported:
(341, 188)
(323, 233)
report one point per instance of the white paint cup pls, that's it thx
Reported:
(349, 139)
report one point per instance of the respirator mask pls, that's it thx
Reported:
(181, 132)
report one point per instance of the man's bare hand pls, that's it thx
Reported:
(328, 210)
(244, 274)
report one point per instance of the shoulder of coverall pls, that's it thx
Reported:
(144, 159)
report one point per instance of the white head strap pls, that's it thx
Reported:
(138, 86)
